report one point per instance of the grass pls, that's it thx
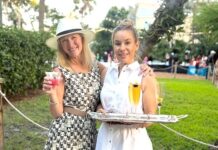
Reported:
(20, 134)
(198, 99)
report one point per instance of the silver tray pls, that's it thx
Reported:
(136, 118)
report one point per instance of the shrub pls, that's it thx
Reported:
(24, 58)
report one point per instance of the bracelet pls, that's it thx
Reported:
(52, 102)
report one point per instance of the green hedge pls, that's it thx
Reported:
(24, 58)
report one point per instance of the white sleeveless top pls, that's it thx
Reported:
(114, 98)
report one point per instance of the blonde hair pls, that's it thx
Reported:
(126, 24)
(87, 57)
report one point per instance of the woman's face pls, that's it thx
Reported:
(125, 46)
(72, 45)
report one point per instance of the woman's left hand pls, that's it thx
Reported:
(146, 70)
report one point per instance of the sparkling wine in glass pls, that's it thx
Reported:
(161, 94)
(134, 93)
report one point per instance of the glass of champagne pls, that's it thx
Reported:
(134, 91)
(161, 95)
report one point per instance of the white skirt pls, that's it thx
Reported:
(122, 137)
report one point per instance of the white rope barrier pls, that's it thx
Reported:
(184, 136)
(3, 95)
(164, 68)
(182, 67)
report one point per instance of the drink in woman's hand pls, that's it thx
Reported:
(54, 82)
(159, 99)
(161, 95)
(55, 76)
(134, 93)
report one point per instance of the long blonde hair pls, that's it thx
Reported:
(87, 56)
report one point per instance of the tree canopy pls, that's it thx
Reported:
(167, 17)
(102, 41)
(205, 22)
(206, 19)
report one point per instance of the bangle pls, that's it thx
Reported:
(52, 102)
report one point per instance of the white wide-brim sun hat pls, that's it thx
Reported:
(68, 26)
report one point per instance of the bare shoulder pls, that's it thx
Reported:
(148, 81)
(101, 66)
(102, 70)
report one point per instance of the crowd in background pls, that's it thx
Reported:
(199, 61)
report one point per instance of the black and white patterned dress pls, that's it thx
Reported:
(71, 132)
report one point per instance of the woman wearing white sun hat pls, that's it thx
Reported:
(78, 89)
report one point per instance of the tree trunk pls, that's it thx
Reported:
(41, 15)
(1, 13)
(167, 17)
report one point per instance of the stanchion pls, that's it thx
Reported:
(215, 74)
(1, 117)
(175, 70)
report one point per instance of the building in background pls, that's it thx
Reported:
(143, 13)
(188, 33)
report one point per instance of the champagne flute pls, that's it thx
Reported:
(134, 91)
(161, 94)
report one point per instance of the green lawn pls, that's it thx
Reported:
(198, 99)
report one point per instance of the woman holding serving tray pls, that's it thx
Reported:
(125, 92)
(73, 88)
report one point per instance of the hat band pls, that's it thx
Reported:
(68, 31)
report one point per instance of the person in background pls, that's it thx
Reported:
(78, 89)
(98, 58)
(115, 99)
(145, 60)
(197, 64)
(105, 56)
(210, 62)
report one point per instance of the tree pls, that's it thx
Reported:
(14, 7)
(13, 10)
(206, 18)
(41, 14)
(167, 17)
(0, 12)
(113, 17)
(102, 41)
(206, 25)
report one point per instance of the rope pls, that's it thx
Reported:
(182, 67)
(3, 95)
(184, 136)
(163, 68)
